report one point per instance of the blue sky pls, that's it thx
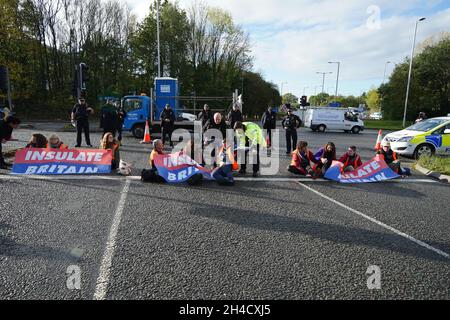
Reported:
(294, 39)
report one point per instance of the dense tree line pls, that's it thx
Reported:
(430, 84)
(41, 41)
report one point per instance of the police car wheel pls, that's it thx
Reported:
(424, 150)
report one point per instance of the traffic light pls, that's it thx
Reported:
(304, 101)
(3, 78)
(84, 75)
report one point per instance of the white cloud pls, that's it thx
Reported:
(292, 39)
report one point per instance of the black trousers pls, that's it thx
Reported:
(291, 140)
(255, 165)
(83, 125)
(167, 131)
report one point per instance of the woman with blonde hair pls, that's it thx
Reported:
(109, 143)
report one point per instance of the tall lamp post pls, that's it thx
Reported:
(323, 81)
(158, 38)
(337, 78)
(410, 70)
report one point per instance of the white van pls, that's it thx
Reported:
(322, 119)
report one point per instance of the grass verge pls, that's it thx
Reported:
(383, 124)
(439, 164)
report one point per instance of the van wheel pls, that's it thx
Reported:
(321, 128)
(424, 150)
(356, 130)
(138, 131)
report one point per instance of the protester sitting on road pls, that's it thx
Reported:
(56, 143)
(390, 157)
(351, 160)
(224, 172)
(189, 150)
(37, 141)
(301, 160)
(152, 174)
(325, 157)
(110, 143)
(7, 125)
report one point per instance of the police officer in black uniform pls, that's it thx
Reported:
(291, 123)
(167, 124)
(80, 114)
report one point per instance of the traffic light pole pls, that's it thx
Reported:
(9, 90)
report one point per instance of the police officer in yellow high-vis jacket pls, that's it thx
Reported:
(249, 136)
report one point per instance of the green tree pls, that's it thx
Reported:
(373, 100)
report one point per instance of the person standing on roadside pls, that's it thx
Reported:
(269, 123)
(122, 115)
(167, 124)
(205, 115)
(291, 123)
(80, 115)
(7, 125)
(109, 118)
(235, 115)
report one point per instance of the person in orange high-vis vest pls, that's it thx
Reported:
(390, 157)
(109, 143)
(351, 160)
(302, 160)
(55, 143)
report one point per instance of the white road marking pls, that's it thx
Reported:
(105, 267)
(402, 234)
(239, 178)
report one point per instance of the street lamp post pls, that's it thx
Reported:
(410, 70)
(337, 78)
(158, 38)
(281, 93)
(323, 79)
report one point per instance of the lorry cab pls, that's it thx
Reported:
(322, 119)
(138, 111)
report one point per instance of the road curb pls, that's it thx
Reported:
(434, 174)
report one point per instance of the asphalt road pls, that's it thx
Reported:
(273, 237)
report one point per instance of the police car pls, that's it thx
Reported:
(428, 137)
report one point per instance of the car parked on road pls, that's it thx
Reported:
(429, 137)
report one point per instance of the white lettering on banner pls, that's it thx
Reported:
(71, 170)
(42, 169)
(375, 165)
(31, 170)
(50, 155)
(98, 157)
(28, 155)
(61, 156)
(91, 170)
(61, 169)
(70, 157)
(172, 177)
(81, 157)
(37, 156)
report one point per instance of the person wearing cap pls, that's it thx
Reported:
(7, 125)
(390, 157)
(291, 123)
(55, 143)
(167, 124)
(351, 160)
(80, 115)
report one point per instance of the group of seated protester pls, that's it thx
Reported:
(108, 142)
(304, 162)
